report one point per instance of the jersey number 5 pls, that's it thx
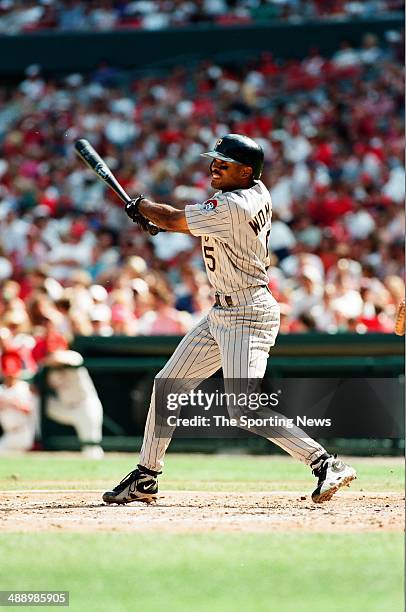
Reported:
(211, 262)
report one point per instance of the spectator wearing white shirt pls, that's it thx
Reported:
(33, 85)
(74, 252)
(281, 239)
(296, 147)
(14, 232)
(360, 223)
(347, 56)
(309, 292)
(394, 188)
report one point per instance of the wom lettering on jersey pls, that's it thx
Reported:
(260, 219)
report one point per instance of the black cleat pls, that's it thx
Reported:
(139, 485)
(332, 474)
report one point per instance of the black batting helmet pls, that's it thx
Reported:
(239, 150)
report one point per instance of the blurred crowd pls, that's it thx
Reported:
(72, 263)
(68, 15)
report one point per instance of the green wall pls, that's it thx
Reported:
(82, 51)
(123, 370)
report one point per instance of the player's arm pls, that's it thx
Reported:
(163, 215)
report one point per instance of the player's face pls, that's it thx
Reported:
(226, 176)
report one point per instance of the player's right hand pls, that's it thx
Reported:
(142, 222)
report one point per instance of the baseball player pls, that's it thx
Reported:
(75, 401)
(237, 334)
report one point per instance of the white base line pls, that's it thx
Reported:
(214, 493)
(51, 491)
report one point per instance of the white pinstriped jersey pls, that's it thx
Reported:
(234, 227)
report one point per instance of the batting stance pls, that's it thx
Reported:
(242, 326)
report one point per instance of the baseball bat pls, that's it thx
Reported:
(92, 159)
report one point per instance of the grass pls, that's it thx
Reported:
(216, 572)
(188, 472)
(291, 572)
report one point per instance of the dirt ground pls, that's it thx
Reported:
(197, 512)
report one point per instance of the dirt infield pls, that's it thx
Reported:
(189, 512)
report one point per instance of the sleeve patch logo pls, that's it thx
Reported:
(209, 205)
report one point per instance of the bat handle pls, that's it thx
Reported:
(153, 229)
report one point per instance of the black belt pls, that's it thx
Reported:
(227, 299)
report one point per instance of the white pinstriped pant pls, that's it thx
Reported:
(237, 339)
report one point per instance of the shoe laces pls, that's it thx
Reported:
(320, 470)
(127, 481)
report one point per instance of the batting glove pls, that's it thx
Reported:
(132, 208)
